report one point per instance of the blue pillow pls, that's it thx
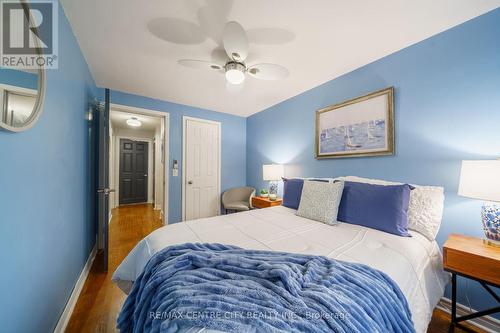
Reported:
(381, 207)
(292, 191)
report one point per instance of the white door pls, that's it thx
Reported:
(201, 176)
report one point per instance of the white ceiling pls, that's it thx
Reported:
(133, 46)
(119, 120)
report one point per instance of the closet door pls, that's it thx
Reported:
(201, 168)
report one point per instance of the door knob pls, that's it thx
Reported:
(190, 182)
(105, 190)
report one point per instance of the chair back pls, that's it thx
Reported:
(244, 193)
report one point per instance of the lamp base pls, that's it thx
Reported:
(490, 216)
(273, 187)
(491, 243)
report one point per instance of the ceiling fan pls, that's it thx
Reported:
(235, 42)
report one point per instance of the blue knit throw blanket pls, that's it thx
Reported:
(231, 289)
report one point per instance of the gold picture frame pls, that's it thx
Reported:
(359, 127)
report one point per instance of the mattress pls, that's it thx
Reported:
(414, 263)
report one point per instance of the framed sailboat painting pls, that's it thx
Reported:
(362, 126)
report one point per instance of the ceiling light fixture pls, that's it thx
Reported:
(134, 122)
(235, 72)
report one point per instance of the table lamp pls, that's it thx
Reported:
(480, 179)
(272, 173)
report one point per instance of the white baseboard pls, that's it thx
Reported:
(77, 289)
(486, 323)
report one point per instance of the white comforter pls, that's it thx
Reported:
(414, 263)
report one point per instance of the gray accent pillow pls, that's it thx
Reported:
(320, 201)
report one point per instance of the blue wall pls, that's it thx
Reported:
(46, 228)
(233, 144)
(18, 78)
(447, 108)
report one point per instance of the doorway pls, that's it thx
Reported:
(201, 168)
(139, 158)
(133, 171)
(112, 123)
(137, 164)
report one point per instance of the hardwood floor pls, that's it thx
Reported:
(100, 301)
(440, 323)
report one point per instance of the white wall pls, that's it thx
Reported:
(112, 168)
(159, 166)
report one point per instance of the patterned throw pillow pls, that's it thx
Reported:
(292, 190)
(320, 201)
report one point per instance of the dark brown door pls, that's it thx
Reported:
(133, 171)
(103, 176)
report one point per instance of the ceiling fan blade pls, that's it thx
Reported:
(268, 71)
(235, 41)
(219, 56)
(199, 64)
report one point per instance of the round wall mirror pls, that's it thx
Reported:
(22, 93)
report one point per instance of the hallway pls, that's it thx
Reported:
(100, 300)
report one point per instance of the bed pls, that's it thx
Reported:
(414, 263)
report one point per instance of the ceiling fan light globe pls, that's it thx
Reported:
(134, 122)
(235, 72)
(235, 76)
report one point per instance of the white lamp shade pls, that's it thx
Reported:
(272, 171)
(480, 180)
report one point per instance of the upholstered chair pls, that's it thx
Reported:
(238, 199)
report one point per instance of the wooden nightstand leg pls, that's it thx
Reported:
(456, 321)
(453, 298)
(492, 293)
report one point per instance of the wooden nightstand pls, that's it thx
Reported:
(470, 257)
(260, 202)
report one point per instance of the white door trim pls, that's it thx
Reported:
(117, 164)
(166, 146)
(184, 122)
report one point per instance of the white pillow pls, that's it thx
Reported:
(425, 209)
(329, 180)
